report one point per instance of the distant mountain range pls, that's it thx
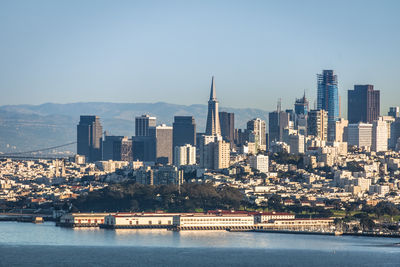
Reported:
(30, 127)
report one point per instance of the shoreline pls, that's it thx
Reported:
(247, 230)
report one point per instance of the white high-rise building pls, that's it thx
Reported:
(339, 129)
(379, 135)
(259, 162)
(185, 155)
(359, 134)
(214, 152)
(296, 143)
(222, 154)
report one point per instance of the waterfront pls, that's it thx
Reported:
(24, 244)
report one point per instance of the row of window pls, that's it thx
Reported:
(214, 223)
(90, 221)
(320, 222)
(215, 220)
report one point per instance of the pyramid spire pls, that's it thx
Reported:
(213, 94)
(213, 127)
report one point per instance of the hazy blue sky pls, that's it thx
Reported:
(150, 51)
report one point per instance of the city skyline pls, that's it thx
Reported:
(116, 151)
(253, 49)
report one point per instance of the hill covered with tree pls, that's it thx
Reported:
(137, 197)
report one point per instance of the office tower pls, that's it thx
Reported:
(273, 126)
(302, 124)
(363, 104)
(143, 148)
(240, 137)
(301, 106)
(117, 148)
(296, 143)
(328, 99)
(257, 128)
(143, 123)
(292, 115)
(318, 124)
(184, 131)
(379, 135)
(277, 121)
(206, 145)
(162, 135)
(109, 143)
(213, 125)
(394, 112)
(359, 134)
(222, 155)
(389, 120)
(394, 133)
(124, 150)
(214, 152)
(184, 155)
(227, 122)
(340, 125)
(89, 136)
(259, 162)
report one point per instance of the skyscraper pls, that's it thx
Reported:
(277, 122)
(214, 151)
(359, 134)
(143, 123)
(184, 131)
(213, 125)
(340, 125)
(301, 105)
(257, 128)
(363, 104)
(394, 134)
(318, 124)
(143, 148)
(222, 154)
(379, 135)
(328, 99)
(185, 155)
(394, 112)
(227, 121)
(117, 148)
(162, 135)
(207, 150)
(89, 136)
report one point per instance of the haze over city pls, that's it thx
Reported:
(167, 51)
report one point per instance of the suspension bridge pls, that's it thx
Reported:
(37, 153)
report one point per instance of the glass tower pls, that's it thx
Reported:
(328, 99)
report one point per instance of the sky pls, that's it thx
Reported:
(167, 51)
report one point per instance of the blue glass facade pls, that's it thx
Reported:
(301, 106)
(328, 99)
